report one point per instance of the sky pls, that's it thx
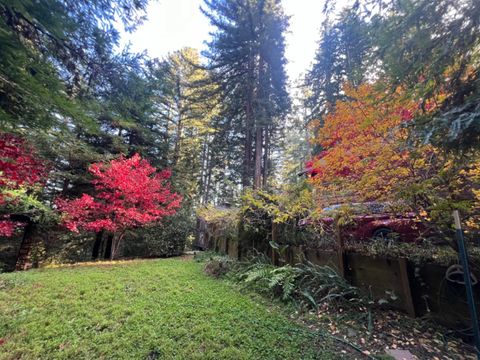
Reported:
(174, 24)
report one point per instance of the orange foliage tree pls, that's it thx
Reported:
(365, 145)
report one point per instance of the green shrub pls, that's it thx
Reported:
(65, 247)
(203, 256)
(307, 285)
(218, 266)
(321, 284)
(166, 239)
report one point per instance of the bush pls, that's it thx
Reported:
(321, 284)
(204, 256)
(66, 248)
(307, 285)
(166, 239)
(218, 266)
(274, 217)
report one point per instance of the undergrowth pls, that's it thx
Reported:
(306, 285)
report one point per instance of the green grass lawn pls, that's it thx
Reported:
(152, 309)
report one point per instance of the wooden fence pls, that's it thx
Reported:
(417, 289)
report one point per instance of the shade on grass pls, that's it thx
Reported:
(157, 309)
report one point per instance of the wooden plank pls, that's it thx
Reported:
(322, 257)
(380, 276)
(407, 292)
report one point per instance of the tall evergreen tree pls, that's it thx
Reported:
(51, 51)
(341, 57)
(58, 67)
(186, 106)
(432, 48)
(246, 56)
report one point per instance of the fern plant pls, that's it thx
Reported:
(307, 285)
(321, 284)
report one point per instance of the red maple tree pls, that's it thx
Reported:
(129, 193)
(20, 168)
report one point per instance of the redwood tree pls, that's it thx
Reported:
(129, 193)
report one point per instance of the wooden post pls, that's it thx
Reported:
(407, 292)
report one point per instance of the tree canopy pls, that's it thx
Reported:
(389, 109)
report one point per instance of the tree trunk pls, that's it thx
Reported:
(247, 161)
(266, 156)
(24, 257)
(258, 158)
(108, 247)
(208, 178)
(113, 254)
(176, 147)
(66, 183)
(116, 243)
(249, 122)
(261, 121)
(203, 171)
(179, 130)
(97, 244)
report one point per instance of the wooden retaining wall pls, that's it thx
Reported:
(397, 283)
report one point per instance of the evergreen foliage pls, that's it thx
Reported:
(246, 56)
(224, 122)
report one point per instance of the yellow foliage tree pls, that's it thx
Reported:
(369, 155)
(365, 147)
